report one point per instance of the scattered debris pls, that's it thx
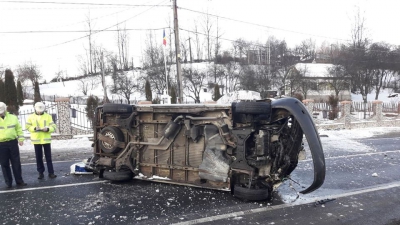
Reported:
(321, 202)
(79, 168)
(374, 175)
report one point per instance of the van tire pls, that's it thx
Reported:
(253, 108)
(117, 108)
(252, 194)
(122, 175)
(114, 133)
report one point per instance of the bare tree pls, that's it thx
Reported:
(248, 78)
(307, 49)
(379, 60)
(233, 71)
(197, 43)
(217, 48)
(125, 85)
(207, 26)
(28, 72)
(241, 49)
(304, 83)
(339, 80)
(194, 82)
(292, 81)
(88, 84)
(217, 57)
(152, 53)
(184, 48)
(83, 66)
(154, 65)
(90, 43)
(123, 41)
(357, 56)
(287, 61)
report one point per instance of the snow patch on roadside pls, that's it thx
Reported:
(73, 145)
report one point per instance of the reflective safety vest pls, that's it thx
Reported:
(10, 128)
(41, 121)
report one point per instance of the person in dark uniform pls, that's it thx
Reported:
(10, 136)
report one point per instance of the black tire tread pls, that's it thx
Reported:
(253, 107)
(122, 175)
(117, 108)
(251, 194)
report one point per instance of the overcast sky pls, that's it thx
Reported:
(253, 20)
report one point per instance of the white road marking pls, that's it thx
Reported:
(303, 202)
(50, 187)
(34, 163)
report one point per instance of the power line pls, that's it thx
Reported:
(225, 39)
(264, 26)
(77, 31)
(83, 3)
(98, 31)
(62, 8)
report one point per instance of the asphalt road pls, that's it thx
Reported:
(360, 188)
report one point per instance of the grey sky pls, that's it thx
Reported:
(255, 20)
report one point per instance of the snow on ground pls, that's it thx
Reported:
(76, 144)
(383, 96)
(360, 133)
(342, 139)
(346, 140)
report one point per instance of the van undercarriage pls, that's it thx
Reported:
(247, 148)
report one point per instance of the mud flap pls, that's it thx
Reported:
(299, 111)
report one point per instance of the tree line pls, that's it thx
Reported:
(10, 93)
(359, 65)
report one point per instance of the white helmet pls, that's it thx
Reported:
(39, 107)
(3, 107)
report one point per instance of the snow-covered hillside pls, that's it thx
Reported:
(93, 85)
(74, 88)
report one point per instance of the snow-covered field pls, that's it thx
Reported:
(94, 87)
(76, 144)
(342, 138)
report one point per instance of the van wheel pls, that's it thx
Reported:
(253, 107)
(122, 175)
(251, 194)
(117, 108)
(113, 133)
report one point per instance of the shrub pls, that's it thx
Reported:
(333, 102)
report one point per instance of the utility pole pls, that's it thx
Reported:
(178, 55)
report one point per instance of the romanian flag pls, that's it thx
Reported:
(164, 39)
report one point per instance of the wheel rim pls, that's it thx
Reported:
(110, 135)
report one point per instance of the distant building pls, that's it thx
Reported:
(319, 81)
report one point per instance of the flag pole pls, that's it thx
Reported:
(165, 62)
(166, 76)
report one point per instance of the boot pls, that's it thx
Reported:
(41, 176)
(52, 175)
(21, 184)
